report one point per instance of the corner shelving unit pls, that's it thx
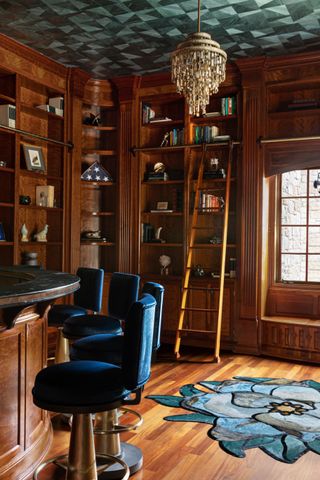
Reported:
(99, 198)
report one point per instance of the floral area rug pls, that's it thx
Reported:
(277, 415)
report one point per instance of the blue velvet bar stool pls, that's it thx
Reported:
(87, 297)
(110, 348)
(87, 387)
(123, 291)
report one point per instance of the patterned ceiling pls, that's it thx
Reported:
(108, 38)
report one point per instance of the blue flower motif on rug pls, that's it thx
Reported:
(277, 415)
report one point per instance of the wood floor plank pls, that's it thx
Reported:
(183, 450)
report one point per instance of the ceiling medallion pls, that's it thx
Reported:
(198, 67)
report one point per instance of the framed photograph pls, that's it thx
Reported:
(34, 158)
(162, 205)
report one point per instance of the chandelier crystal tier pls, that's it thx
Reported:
(198, 67)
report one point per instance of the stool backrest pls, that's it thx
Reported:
(123, 291)
(157, 291)
(137, 346)
(89, 295)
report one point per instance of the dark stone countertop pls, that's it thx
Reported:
(26, 285)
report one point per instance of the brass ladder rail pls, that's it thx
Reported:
(186, 288)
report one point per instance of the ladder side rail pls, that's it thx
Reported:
(190, 250)
(223, 256)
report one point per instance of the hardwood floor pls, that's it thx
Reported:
(174, 451)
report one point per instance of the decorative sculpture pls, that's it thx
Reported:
(42, 235)
(164, 261)
(24, 233)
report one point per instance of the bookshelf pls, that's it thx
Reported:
(180, 157)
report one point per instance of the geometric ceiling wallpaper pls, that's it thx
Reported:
(111, 38)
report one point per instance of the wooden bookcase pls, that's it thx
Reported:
(170, 139)
(35, 129)
(99, 198)
(289, 326)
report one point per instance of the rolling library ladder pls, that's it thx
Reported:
(193, 230)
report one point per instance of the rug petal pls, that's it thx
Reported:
(295, 448)
(167, 400)
(238, 448)
(191, 417)
(189, 390)
(314, 446)
(313, 384)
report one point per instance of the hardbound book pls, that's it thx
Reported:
(8, 115)
(56, 102)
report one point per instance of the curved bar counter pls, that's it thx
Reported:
(25, 430)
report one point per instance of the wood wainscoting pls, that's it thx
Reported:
(25, 433)
(291, 338)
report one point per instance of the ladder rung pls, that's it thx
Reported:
(202, 288)
(192, 330)
(195, 309)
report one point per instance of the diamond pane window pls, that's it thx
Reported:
(299, 227)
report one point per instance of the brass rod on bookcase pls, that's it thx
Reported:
(287, 139)
(35, 135)
(191, 145)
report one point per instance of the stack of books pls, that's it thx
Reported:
(303, 103)
(205, 134)
(228, 105)
(147, 232)
(155, 176)
(147, 113)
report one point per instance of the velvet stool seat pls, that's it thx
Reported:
(110, 348)
(85, 387)
(123, 291)
(87, 298)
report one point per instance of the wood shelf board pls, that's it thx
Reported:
(218, 118)
(294, 112)
(33, 243)
(3, 128)
(39, 207)
(90, 184)
(99, 244)
(162, 182)
(291, 320)
(40, 112)
(158, 244)
(6, 204)
(95, 151)
(166, 214)
(167, 123)
(7, 98)
(109, 128)
(7, 169)
(5, 243)
(212, 245)
(98, 214)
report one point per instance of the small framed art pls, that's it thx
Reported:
(34, 158)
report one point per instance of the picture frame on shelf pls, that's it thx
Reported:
(34, 158)
(162, 206)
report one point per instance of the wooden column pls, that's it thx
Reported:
(77, 80)
(128, 198)
(246, 328)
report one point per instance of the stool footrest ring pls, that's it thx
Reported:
(122, 428)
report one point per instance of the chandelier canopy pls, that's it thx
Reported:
(198, 68)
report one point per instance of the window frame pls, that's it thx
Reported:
(277, 222)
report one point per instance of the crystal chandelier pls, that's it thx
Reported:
(198, 68)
